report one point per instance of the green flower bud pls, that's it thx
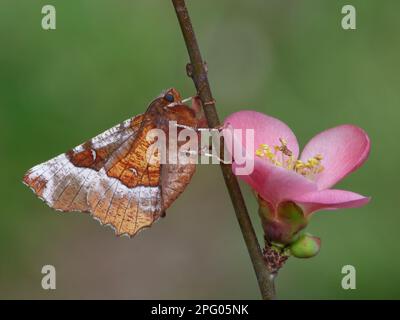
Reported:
(306, 246)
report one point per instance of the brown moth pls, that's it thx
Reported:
(110, 177)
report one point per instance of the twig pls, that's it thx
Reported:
(196, 69)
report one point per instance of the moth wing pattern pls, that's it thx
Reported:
(177, 178)
(117, 176)
(77, 181)
(127, 195)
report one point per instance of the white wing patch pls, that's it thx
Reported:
(65, 187)
(119, 132)
(94, 155)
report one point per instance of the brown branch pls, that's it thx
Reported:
(197, 71)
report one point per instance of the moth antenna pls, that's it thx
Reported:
(206, 154)
(187, 99)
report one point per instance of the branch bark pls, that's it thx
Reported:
(198, 73)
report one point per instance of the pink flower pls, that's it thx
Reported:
(290, 186)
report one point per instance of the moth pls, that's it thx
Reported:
(110, 176)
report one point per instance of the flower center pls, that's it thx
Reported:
(281, 156)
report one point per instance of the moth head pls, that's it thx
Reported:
(175, 109)
(171, 96)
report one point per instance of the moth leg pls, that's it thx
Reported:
(206, 151)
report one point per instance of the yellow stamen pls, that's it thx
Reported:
(259, 152)
(308, 169)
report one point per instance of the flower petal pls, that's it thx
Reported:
(275, 184)
(343, 148)
(267, 130)
(330, 199)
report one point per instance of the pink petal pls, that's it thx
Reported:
(330, 199)
(267, 130)
(343, 148)
(275, 184)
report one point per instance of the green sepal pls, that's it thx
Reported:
(283, 224)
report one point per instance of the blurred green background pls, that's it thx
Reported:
(107, 59)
